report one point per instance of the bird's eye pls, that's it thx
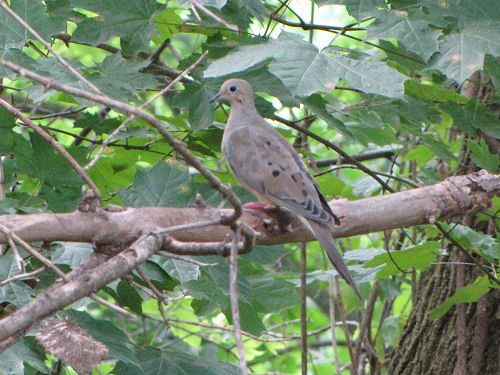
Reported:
(233, 88)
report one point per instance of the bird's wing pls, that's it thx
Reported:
(263, 161)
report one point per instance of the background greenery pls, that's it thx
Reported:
(372, 76)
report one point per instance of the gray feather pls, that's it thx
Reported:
(325, 238)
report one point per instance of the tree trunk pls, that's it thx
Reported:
(465, 341)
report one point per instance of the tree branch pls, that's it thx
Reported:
(456, 196)
(80, 284)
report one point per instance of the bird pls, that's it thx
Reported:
(266, 164)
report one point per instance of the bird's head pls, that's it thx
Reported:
(236, 91)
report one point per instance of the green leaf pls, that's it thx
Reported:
(474, 115)
(181, 270)
(267, 255)
(8, 266)
(463, 53)
(159, 277)
(363, 255)
(476, 241)
(492, 68)
(434, 92)
(128, 296)
(13, 34)
(8, 138)
(249, 318)
(358, 9)
(15, 358)
(196, 99)
(317, 105)
(97, 123)
(481, 155)
(131, 20)
(304, 70)
(17, 292)
(416, 257)
(272, 295)
(391, 329)
(162, 185)
(411, 28)
(154, 361)
(466, 294)
(367, 133)
(421, 154)
(72, 253)
(120, 78)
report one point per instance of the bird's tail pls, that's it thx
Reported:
(325, 238)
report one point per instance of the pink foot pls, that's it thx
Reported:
(257, 206)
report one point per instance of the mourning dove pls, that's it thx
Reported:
(265, 163)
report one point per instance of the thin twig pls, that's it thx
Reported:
(60, 114)
(212, 15)
(244, 333)
(145, 147)
(65, 154)
(46, 262)
(362, 156)
(365, 326)
(176, 228)
(354, 365)
(333, 324)
(184, 259)
(338, 150)
(340, 31)
(158, 295)
(347, 166)
(112, 306)
(22, 276)
(303, 307)
(33, 32)
(2, 192)
(144, 105)
(233, 291)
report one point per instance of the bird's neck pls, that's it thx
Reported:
(241, 111)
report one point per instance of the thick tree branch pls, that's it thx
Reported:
(81, 284)
(134, 230)
(453, 197)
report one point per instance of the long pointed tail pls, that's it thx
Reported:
(325, 238)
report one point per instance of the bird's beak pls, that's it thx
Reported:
(215, 98)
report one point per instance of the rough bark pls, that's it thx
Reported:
(453, 197)
(465, 341)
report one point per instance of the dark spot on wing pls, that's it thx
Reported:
(276, 173)
(268, 143)
(269, 163)
(323, 215)
(282, 168)
(309, 205)
(304, 192)
(315, 210)
(293, 178)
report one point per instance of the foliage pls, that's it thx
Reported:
(381, 77)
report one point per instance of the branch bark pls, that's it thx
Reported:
(133, 229)
(453, 197)
(80, 284)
